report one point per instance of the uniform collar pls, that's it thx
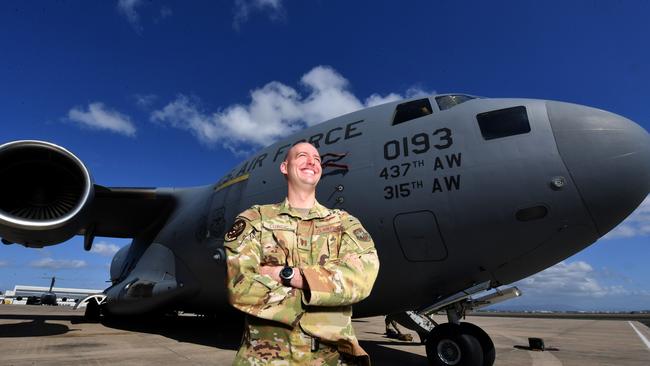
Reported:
(318, 211)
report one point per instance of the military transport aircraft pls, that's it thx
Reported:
(461, 194)
(46, 298)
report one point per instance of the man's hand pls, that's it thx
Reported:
(274, 273)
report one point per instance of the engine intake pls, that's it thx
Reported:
(44, 193)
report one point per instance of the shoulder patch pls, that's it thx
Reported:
(236, 229)
(361, 234)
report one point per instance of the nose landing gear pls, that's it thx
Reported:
(448, 345)
(462, 344)
(456, 343)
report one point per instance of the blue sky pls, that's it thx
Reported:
(165, 93)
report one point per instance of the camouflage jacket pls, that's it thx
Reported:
(335, 254)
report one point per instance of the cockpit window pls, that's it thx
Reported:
(448, 101)
(503, 122)
(412, 110)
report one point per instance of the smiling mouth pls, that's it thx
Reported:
(308, 171)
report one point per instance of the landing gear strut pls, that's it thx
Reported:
(456, 343)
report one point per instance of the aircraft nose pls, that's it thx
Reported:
(608, 158)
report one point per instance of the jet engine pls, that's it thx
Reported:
(45, 193)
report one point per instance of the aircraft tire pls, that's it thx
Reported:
(447, 345)
(489, 352)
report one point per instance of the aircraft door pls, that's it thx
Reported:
(419, 236)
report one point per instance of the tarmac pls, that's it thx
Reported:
(42, 335)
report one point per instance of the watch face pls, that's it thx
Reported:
(286, 273)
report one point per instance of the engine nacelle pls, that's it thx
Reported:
(45, 193)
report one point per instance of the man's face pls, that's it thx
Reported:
(302, 167)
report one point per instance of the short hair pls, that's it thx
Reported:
(286, 155)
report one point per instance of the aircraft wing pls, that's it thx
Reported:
(48, 196)
(126, 212)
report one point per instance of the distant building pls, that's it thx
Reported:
(64, 296)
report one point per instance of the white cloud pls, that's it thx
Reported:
(637, 224)
(243, 9)
(575, 279)
(97, 116)
(105, 249)
(276, 110)
(145, 100)
(128, 9)
(376, 99)
(4, 263)
(58, 263)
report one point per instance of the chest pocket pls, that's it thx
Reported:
(326, 240)
(277, 241)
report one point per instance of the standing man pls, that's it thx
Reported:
(295, 268)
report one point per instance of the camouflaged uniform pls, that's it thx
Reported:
(339, 263)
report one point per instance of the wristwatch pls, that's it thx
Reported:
(286, 274)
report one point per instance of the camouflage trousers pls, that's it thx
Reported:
(274, 344)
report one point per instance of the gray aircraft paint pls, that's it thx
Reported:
(446, 207)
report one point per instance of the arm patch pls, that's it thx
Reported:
(237, 228)
(361, 234)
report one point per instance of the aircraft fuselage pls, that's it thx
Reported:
(487, 190)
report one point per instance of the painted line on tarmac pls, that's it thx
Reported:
(643, 338)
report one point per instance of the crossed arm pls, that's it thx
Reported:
(257, 290)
